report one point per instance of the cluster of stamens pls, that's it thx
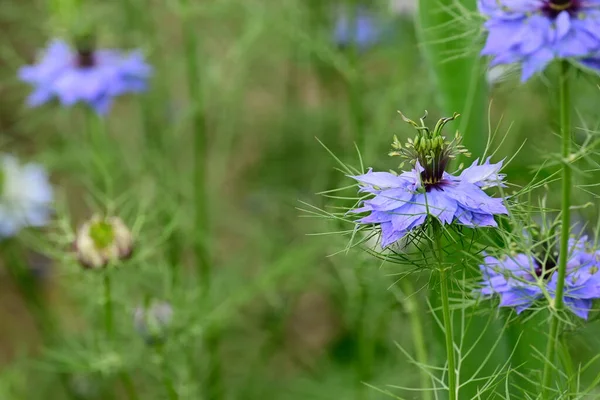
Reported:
(430, 150)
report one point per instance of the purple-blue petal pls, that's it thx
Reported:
(57, 75)
(524, 32)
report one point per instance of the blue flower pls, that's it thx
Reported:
(520, 280)
(403, 202)
(361, 29)
(92, 77)
(25, 196)
(535, 32)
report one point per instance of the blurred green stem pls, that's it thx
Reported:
(166, 374)
(16, 265)
(108, 312)
(193, 71)
(129, 386)
(97, 133)
(567, 363)
(152, 107)
(447, 318)
(565, 131)
(363, 367)
(355, 91)
(411, 305)
(109, 328)
(214, 389)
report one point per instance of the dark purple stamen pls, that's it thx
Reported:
(85, 58)
(433, 173)
(544, 269)
(554, 7)
(439, 185)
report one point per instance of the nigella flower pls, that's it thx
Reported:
(101, 241)
(85, 75)
(357, 27)
(520, 280)
(403, 202)
(25, 196)
(535, 32)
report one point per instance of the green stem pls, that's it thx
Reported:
(567, 363)
(565, 131)
(108, 313)
(129, 386)
(29, 289)
(190, 36)
(152, 107)
(355, 92)
(166, 374)
(214, 388)
(447, 318)
(411, 305)
(363, 367)
(97, 132)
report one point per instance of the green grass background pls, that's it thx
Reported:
(298, 318)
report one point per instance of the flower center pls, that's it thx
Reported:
(545, 267)
(102, 234)
(432, 176)
(85, 58)
(431, 151)
(554, 7)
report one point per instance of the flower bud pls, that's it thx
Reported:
(152, 322)
(103, 240)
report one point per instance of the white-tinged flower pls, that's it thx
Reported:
(25, 196)
(101, 241)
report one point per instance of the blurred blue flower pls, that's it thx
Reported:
(520, 280)
(25, 196)
(357, 27)
(152, 321)
(92, 77)
(535, 32)
(403, 202)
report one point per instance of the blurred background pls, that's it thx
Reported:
(297, 316)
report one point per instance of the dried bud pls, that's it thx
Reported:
(152, 322)
(103, 240)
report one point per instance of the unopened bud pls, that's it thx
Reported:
(101, 241)
(152, 322)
